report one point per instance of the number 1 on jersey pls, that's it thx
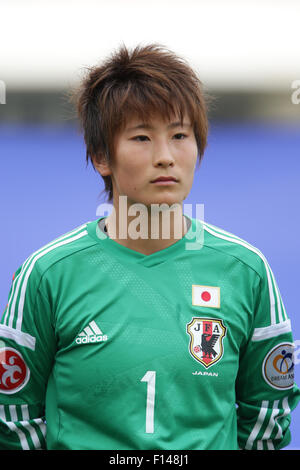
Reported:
(150, 378)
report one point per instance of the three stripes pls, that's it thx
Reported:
(268, 415)
(14, 311)
(31, 432)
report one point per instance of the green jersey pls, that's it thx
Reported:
(103, 347)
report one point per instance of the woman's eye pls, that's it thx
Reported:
(180, 136)
(140, 138)
(144, 138)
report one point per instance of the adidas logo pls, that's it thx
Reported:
(91, 334)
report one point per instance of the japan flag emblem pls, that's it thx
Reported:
(206, 296)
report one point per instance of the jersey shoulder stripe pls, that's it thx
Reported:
(13, 315)
(244, 251)
(238, 247)
(231, 238)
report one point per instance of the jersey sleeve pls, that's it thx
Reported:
(27, 349)
(265, 389)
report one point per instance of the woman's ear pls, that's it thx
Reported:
(101, 165)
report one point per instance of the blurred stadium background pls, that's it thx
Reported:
(247, 56)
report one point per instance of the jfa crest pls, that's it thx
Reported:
(206, 342)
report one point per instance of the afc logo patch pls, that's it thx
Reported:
(206, 340)
(14, 373)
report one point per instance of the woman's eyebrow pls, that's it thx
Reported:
(147, 126)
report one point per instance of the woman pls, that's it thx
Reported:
(146, 329)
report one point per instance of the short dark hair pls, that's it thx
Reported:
(145, 81)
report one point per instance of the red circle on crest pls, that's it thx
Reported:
(205, 296)
(14, 373)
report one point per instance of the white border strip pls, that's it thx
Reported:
(271, 331)
(21, 338)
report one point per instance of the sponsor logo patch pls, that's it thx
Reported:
(14, 373)
(206, 340)
(278, 367)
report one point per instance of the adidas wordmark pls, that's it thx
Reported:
(91, 334)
